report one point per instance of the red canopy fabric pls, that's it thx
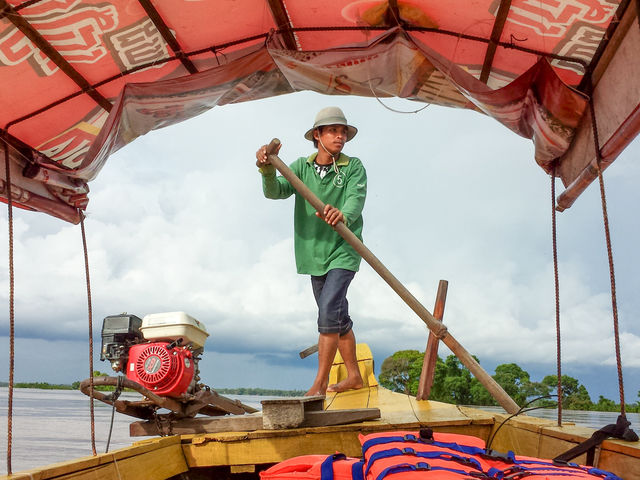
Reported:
(82, 78)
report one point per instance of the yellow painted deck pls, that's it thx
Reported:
(247, 452)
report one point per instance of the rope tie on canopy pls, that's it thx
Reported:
(11, 301)
(394, 110)
(605, 216)
(375, 95)
(90, 312)
(621, 429)
(557, 291)
(7, 163)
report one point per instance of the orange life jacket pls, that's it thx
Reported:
(405, 455)
(315, 467)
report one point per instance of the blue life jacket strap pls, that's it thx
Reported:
(326, 469)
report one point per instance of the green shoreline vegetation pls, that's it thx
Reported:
(262, 392)
(453, 383)
(259, 392)
(41, 385)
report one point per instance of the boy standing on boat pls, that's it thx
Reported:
(340, 182)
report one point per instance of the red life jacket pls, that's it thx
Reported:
(315, 467)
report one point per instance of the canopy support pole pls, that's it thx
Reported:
(434, 325)
(431, 352)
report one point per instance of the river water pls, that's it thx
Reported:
(52, 426)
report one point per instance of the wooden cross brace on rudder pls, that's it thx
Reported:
(431, 352)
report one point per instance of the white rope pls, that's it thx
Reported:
(115, 462)
(393, 109)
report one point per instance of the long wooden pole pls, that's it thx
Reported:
(434, 325)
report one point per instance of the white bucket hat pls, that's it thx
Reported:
(331, 116)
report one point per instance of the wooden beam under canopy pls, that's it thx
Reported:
(283, 23)
(616, 101)
(496, 33)
(167, 35)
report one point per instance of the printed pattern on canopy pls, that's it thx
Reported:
(83, 78)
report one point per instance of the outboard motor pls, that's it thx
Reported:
(119, 333)
(160, 352)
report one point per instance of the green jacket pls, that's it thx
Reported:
(318, 247)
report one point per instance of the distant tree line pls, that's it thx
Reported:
(59, 386)
(40, 385)
(271, 392)
(454, 383)
(264, 392)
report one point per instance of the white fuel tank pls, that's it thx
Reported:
(172, 326)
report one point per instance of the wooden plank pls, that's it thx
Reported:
(277, 415)
(339, 417)
(309, 351)
(294, 400)
(289, 412)
(272, 446)
(431, 352)
(399, 412)
(210, 402)
(84, 463)
(239, 423)
(627, 467)
(155, 461)
(156, 465)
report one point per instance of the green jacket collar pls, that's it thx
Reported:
(341, 162)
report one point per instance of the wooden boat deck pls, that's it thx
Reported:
(247, 452)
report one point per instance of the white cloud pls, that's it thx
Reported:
(177, 221)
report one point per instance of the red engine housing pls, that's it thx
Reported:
(163, 371)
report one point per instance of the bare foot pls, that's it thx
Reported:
(313, 392)
(317, 390)
(347, 384)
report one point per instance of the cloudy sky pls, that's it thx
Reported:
(177, 222)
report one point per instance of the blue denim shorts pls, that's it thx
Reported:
(330, 291)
